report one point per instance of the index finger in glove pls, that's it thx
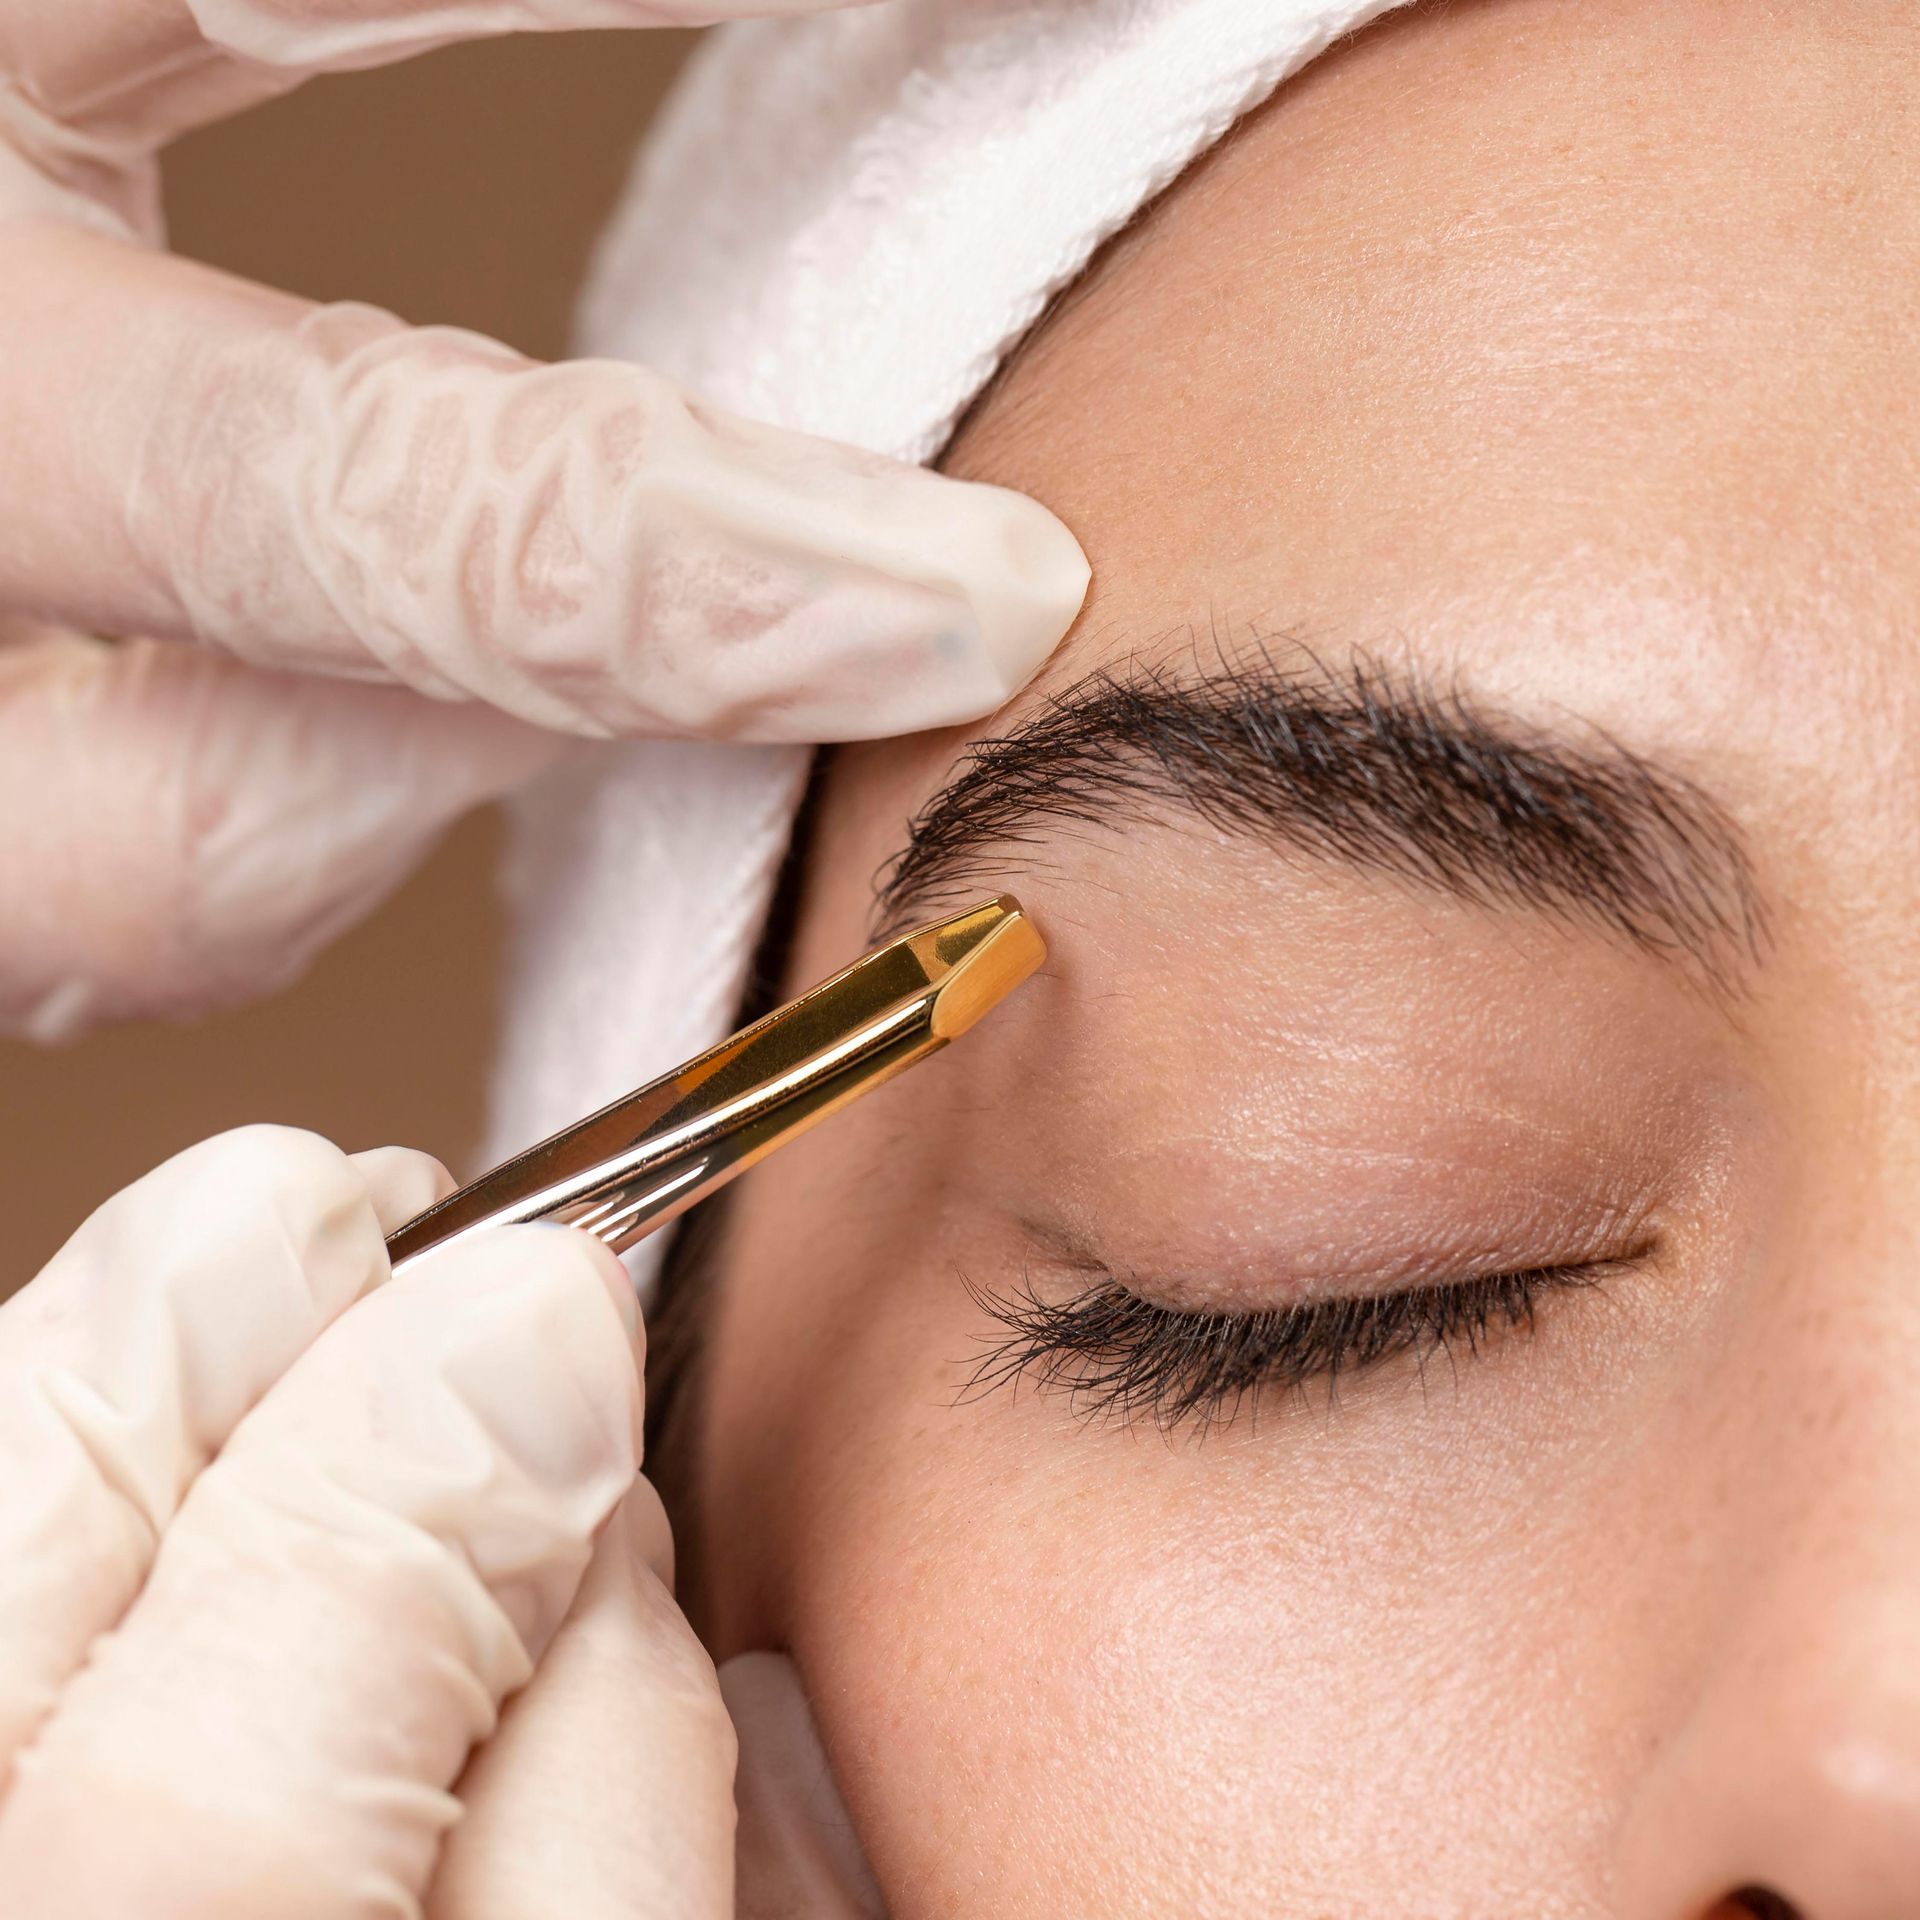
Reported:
(379, 1555)
(126, 1364)
(581, 545)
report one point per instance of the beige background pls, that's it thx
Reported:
(464, 187)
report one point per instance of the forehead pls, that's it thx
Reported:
(1547, 346)
(1545, 349)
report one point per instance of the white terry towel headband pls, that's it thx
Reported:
(842, 224)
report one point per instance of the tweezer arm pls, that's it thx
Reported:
(633, 1166)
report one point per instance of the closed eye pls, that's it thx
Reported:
(1116, 1355)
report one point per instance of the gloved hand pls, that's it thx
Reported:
(279, 1534)
(580, 547)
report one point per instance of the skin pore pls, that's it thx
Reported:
(1551, 361)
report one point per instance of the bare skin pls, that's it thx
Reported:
(1558, 352)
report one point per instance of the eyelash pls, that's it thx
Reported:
(1118, 1356)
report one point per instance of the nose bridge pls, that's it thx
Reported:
(1796, 1767)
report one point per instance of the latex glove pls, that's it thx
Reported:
(184, 456)
(279, 1535)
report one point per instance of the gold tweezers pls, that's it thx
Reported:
(633, 1166)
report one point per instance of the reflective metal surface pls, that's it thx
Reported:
(633, 1166)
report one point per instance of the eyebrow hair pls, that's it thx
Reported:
(1377, 771)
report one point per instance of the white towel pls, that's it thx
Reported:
(843, 224)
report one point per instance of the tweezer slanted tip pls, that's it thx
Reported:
(975, 959)
(633, 1166)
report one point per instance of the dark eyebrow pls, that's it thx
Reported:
(1375, 770)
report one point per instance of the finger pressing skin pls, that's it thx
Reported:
(201, 829)
(607, 1792)
(126, 1364)
(378, 1557)
(579, 545)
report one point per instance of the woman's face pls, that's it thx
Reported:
(1483, 912)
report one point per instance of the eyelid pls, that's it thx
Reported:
(1115, 1354)
(1620, 1235)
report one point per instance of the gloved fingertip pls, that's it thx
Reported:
(612, 1274)
(1028, 584)
(946, 597)
(401, 1182)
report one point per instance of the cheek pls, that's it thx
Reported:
(1075, 1669)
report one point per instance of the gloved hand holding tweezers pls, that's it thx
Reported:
(308, 1463)
(536, 550)
(279, 1533)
